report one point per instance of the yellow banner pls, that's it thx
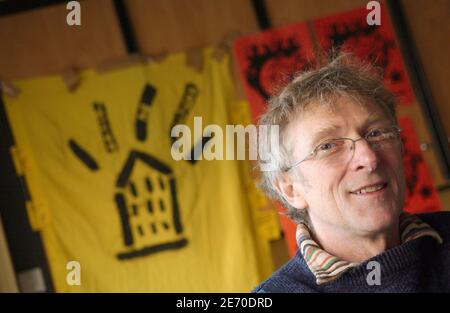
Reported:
(107, 193)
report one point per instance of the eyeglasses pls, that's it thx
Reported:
(341, 150)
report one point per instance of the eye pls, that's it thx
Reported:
(325, 146)
(329, 148)
(375, 133)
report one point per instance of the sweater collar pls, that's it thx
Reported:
(327, 267)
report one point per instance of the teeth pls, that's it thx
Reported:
(369, 189)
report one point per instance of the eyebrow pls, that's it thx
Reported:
(374, 118)
(322, 132)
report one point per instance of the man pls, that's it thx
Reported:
(338, 171)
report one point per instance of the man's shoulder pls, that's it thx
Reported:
(439, 221)
(291, 277)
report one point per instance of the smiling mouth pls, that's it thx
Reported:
(370, 189)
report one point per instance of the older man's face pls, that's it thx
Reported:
(330, 189)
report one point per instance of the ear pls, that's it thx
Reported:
(290, 190)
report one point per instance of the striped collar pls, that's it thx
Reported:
(327, 267)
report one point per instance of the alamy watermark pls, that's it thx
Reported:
(214, 142)
(374, 276)
(73, 277)
(374, 16)
(74, 15)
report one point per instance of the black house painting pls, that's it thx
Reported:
(147, 204)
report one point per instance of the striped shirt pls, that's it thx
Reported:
(327, 267)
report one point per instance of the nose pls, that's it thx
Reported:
(364, 157)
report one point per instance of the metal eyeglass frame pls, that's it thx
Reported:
(310, 155)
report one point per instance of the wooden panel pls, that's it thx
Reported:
(283, 12)
(430, 29)
(430, 155)
(7, 278)
(176, 25)
(280, 252)
(40, 42)
(445, 199)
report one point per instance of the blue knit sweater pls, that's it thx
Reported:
(420, 265)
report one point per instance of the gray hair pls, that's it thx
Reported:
(343, 76)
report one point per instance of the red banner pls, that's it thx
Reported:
(350, 32)
(421, 194)
(268, 60)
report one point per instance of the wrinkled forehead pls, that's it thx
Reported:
(333, 118)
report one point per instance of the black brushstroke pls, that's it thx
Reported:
(126, 230)
(148, 183)
(161, 183)
(149, 206)
(153, 227)
(132, 158)
(260, 55)
(147, 97)
(153, 249)
(338, 38)
(161, 205)
(176, 211)
(134, 209)
(122, 180)
(425, 191)
(133, 189)
(186, 104)
(140, 230)
(83, 155)
(109, 140)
